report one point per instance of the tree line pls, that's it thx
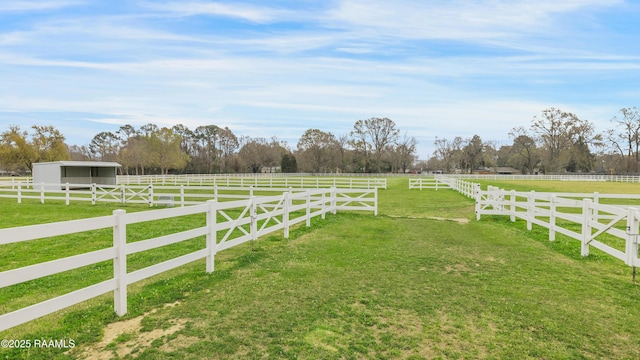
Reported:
(556, 141)
(374, 145)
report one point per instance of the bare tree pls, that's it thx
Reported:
(558, 131)
(405, 152)
(525, 156)
(448, 153)
(625, 139)
(317, 151)
(372, 136)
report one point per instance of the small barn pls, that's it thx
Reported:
(75, 172)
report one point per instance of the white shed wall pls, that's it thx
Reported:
(48, 173)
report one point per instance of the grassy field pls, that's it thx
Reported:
(418, 281)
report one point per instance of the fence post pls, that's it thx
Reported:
(182, 194)
(123, 195)
(150, 193)
(477, 194)
(285, 213)
(531, 203)
(212, 240)
(586, 227)
(19, 193)
(552, 218)
(596, 201)
(375, 202)
(120, 263)
(334, 200)
(513, 209)
(254, 221)
(66, 193)
(631, 247)
(322, 204)
(42, 193)
(308, 222)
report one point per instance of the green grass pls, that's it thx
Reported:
(400, 285)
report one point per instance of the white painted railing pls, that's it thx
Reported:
(568, 177)
(295, 181)
(228, 224)
(145, 194)
(432, 182)
(613, 229)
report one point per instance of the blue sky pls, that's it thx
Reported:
(440, 68)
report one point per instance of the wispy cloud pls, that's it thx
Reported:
(275, 68)
(36, 5)
(248, 12)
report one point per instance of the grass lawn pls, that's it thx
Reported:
(400, 285)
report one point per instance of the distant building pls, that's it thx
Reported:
(75, 173)
(498, 171)
(270, 169)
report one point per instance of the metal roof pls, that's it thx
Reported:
(83, 163)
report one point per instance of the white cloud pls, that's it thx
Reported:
(252, 13)
(36, 5)
(455, 20)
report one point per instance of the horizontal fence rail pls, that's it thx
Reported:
(611, 228)
(164, 195)
(571, 177)
(262, 180)
(228, 224)
(427, 183)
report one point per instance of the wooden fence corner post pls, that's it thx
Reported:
(120, 262)
(212, 241)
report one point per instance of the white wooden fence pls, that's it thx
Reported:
(611, 228)
(145, 194)
(567, 177)
(295, 181)
(427, 183)
(227, 224)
